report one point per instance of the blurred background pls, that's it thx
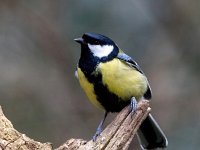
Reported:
(38, 57)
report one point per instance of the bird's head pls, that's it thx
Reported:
(99, 45)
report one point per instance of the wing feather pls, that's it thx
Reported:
(127, 59)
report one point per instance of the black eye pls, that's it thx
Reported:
(96, 42)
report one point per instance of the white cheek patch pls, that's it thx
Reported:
(100, 51)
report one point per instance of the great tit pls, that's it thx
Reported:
(112, 80)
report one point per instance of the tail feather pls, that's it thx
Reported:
(150, 134)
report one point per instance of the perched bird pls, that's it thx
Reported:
(112, 80)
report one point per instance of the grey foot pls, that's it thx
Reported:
(133, 104)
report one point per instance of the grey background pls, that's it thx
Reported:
(38, 57)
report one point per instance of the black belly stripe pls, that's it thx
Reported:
(110, 101)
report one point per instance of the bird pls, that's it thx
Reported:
(112, 80)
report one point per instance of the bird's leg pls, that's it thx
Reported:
(99, 129)
(133, 105)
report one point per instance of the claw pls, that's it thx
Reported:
(99, 129)
(133, 105)
(98, 132)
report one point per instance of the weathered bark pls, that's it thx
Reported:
(116, 136)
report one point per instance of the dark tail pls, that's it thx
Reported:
(150, 134)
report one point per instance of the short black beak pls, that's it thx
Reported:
(80, 40)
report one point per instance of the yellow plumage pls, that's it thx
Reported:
(88, 88)
(123, 80)
(120, 79)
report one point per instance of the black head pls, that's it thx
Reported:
(94, 39)
(99, 45)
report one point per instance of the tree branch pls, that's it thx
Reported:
(116, 136)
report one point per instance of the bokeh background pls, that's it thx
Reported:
(38, 57)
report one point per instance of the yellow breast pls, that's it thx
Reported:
(119, 78)
(123, 80)
(88, 88)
